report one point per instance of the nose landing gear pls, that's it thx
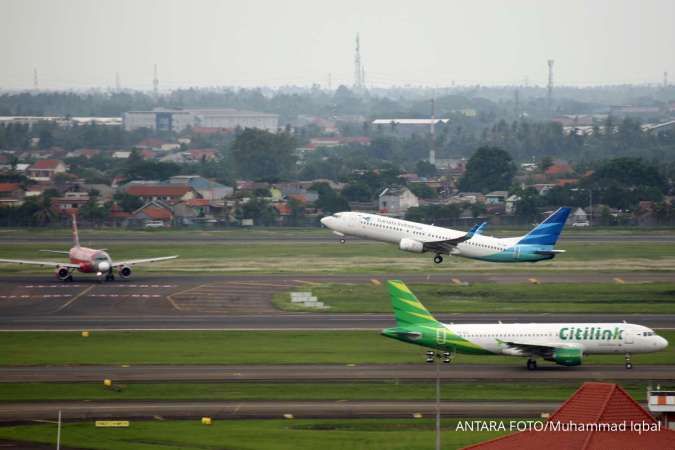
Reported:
(531, 364)
(447, 357)
(629, 365)
(438, 259)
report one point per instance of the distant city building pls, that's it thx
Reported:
(61, 121)
(177, 120)
(406, 127)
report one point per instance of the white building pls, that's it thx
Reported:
(397, 200)
(177, 120)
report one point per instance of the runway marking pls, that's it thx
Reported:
(246, 283)
(26, 296)
(126, 295)
(70, 285)
(72, 300)
(311, 283)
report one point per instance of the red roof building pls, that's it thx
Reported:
(169, 193)
(45, 169)
(559, 169)
(591, 420)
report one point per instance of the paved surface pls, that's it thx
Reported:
(310, 372)
(265, 409)
(242, 302)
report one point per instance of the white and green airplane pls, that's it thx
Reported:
(562, 343)
(537, 245)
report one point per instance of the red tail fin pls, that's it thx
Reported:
(76, 237)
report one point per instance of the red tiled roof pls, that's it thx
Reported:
(559, 169)
(283, 209)
(566, 181)
(9, 187)
(592, 403)
(46, 164)
(197, 202)
(142, 190)
(156, 213)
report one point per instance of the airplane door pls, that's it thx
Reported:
(516, 252)
(441, 335)
(630, 339)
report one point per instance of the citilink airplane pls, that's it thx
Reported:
(88, 260)
(563, 343)
(415, 237)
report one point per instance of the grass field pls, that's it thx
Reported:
(499, 298)
(241, 347)
(235, 391)
(353, 257)
(371, 434)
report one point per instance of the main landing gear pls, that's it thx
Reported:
(447, 357)
(342, 240)
(531, 364)
(629, 365)
(110, 277)
(438, 259)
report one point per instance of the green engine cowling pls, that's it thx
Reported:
(567, 356)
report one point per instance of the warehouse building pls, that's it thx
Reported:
(177, 120)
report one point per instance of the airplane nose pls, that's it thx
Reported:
(663, 343)
(325, 221)
(103, 266)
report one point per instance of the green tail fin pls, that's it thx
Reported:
(407, 309)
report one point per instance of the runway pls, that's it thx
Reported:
(244, 302)
(14, 412)
(318, 373)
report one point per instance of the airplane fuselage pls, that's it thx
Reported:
(90, 260)
(411, 236)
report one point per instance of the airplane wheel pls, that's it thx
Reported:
(629, 365)
(69, 278)
(438, 259)
(531, 364)
(342, 241)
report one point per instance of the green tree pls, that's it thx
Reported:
(329, 201)
(264, 156)
(425, 169)
(489, 169)
(422, 190)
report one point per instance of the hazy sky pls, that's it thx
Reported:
(83, 43)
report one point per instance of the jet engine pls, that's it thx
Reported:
(62, 273)
(567, 356)
(411, 245)
(124, 272)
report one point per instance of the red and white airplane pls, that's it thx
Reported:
(88, 260)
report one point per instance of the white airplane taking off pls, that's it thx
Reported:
(415, 237)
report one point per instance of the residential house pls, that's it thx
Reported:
(165, 192)
(496, 197)
(46, 169)
(396, 200)
(578, 216)
(511, 204)
(154, 210)
(207, 189)
(468, 197)
(70, 202)
(11, 194)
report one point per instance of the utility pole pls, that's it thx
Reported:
(432, 151)
(36, 84)
(117, 82)
(330, 81)
(358, 68)
(665, 80)
(58, 432)
(549, 97)
(438, 404)
(155, 83)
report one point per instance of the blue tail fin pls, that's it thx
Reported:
(547, 232)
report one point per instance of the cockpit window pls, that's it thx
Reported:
(648, 333)
(337, 215)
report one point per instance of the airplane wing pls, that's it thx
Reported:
(41, 263)
(63, 252)
(132, 262)
(447, 245)
(542, 350)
